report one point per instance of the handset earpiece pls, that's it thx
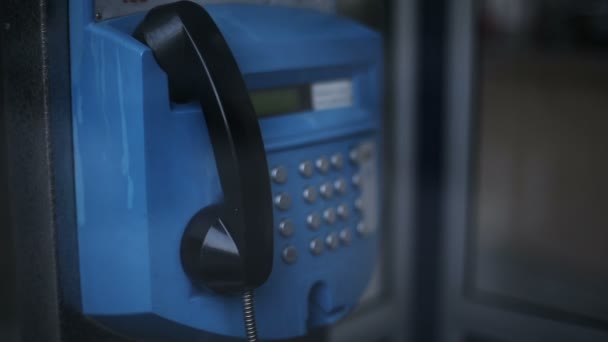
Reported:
(228, 246)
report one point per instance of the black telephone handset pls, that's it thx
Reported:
(228, 246)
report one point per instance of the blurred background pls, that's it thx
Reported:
(534, 226)
(495, 216)
(540, 221)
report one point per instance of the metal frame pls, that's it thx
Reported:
(28, 117)
(37, 130)
(8, 286)
(389, 318)
(108, 9)
(465, 316)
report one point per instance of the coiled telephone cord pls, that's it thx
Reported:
(251, 329)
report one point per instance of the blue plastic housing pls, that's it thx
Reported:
(144, 167)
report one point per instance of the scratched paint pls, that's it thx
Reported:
(125, 160)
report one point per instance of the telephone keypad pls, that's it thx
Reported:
(331, 203)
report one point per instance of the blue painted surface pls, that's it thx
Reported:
(144, 167)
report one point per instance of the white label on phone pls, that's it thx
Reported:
(332, 94)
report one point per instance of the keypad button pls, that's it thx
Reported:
(306, 168)
(286, 228)
(332, 241)
(354, 155)
(316, 246)
(326, 190)
(340, 186)
(329, 215)
(359, 204)
(322, 164)
(279, 174)
(290, 255)
(313, 220)
(362, 228)
(282, 201)
(309, 194)
(346, 236)
(343, 211)
(337, 161)
(366, 151)
(357, 180)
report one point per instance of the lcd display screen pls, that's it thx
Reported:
(277, 101)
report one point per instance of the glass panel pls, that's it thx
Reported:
(541, 210)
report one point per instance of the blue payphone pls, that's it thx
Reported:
(224, 150)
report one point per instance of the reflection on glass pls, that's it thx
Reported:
(542, 170)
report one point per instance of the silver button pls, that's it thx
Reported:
(306, 168)
(290, 254)
(337, 161)
(332, 241)
(286, 228)
(316, 246)
(282, 201)
(279, 174)
(359, 204)
(329, 215)
(342, 211)
(346, 236)
(357, 180)
(366, 150)
(326, 190)
(340, 185)
(313, 220)
(354, 155)
(322, 164)
(362, 228)
(310, 194)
